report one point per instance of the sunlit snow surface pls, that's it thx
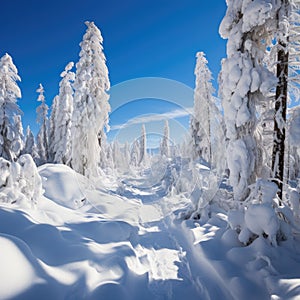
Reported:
(97, 241)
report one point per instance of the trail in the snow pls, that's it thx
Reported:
(194, 269)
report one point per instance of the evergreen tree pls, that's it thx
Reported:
(127, 154)
(91, 106)
(42, 120)
(135, 154)
(143, 146)
(52, 128)
(203, 102)
(30, 146)
(109, 157)
(106, 160)
(18, 142)
(62, 116)
(165, 143)
(10, 119)
(291, 34)
(245, 81)
(117, 155)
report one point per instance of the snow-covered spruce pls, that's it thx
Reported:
(117, 155)
(202, 114)
(293, 144)
(30, 146)
(165, 143)
(245, 81)
(42, 120)
(206, 125)
(294, 128)
(61, 115)
(52, 128)
(91, 107)
(11, 130)
(143, 147)
(294, 48)
(135, 153)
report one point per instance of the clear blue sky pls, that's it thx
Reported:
(142, 38)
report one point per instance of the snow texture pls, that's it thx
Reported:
(86, 240)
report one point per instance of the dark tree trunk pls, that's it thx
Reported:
(280, 113)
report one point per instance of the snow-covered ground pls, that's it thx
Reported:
(122, 238)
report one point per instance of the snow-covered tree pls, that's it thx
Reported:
(117, 155)
(91, 107)
(107, 161)
(135, 154)
(18, 142)
(165, 143)
(293, 40)
(143, 146)
(126, 151)
(10, 119)
(294, 143)
(62, 116)
(287, 50)
(30, 183)
(30, 146)
(245, 81)
(52, 128)
(294, 128)
(20, 181)
(42, 120)
(202, 115)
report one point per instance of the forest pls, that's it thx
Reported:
(216, 216)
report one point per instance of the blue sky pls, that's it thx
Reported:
(142, 38)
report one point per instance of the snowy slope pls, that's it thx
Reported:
(113, 240)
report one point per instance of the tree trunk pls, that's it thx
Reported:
(280, 116)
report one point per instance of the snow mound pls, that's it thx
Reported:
(17, 271)
(63, 185)
(20, 182)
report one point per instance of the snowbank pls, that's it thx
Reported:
(132, 246)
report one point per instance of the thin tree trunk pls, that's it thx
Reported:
(280, 116)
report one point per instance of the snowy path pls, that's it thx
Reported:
(198, 275)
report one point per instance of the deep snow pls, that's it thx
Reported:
(122, 238)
